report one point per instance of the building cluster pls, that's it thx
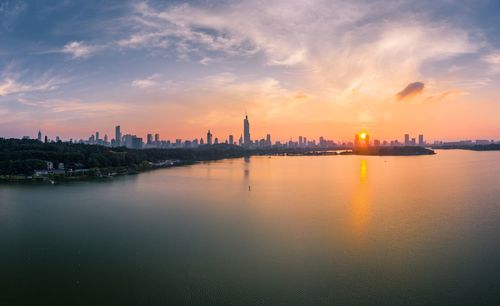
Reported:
(245, 140)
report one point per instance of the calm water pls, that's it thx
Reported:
(311, 231)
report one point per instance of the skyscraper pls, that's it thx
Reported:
(421, 141)
(118, 135)
(246, 131)
(231, 139)
(39, 136)
(150, 139)
(209, 138)
(407, 139)
(157, 138)
(97, 136)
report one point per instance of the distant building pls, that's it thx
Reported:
(268, 140)
(482, 142)
(231, 139)
(157, 138)
(118, 136)
(421, 141)
(246, 132)
(209, 138)
(132, 142)
(361, 140)
(39, 136)
(150, 139)
(407, 139)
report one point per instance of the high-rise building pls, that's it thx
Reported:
(421, 141)
(97, 136)
(361, 140)
(157, 138)
(39, 136)
(209, 138)
(132, 142)
(231, 139)
(268, 140)
(118, 135)
(246, 131)
(46, 139)
(105, 139)
(150, 139)
(407, 139)
(216, 141)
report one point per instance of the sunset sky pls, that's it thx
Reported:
(312, 68)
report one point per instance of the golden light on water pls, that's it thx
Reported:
(361, 205)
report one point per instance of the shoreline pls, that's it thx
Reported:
(106, 173)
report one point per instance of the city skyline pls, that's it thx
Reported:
(361, 139)
(180, 68)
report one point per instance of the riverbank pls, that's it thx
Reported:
(33, 161)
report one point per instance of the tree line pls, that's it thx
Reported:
(24, 156)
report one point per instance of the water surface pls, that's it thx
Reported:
(319, 230)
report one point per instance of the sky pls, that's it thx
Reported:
(313, 68)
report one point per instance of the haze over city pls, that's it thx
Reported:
(310, 68)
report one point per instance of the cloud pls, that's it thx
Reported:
(10, 85)
(148, 82)
(342, 48)
(493, 61)
(78, 49)
(410, 90)
(450, 93)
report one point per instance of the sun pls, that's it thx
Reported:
(362, 135)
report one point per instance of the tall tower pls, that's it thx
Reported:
(246, 131)
(407, 139)
(421, 141)
(39, 136)
(118, 135)
(209, 138)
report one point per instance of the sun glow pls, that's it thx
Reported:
(362, 135)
